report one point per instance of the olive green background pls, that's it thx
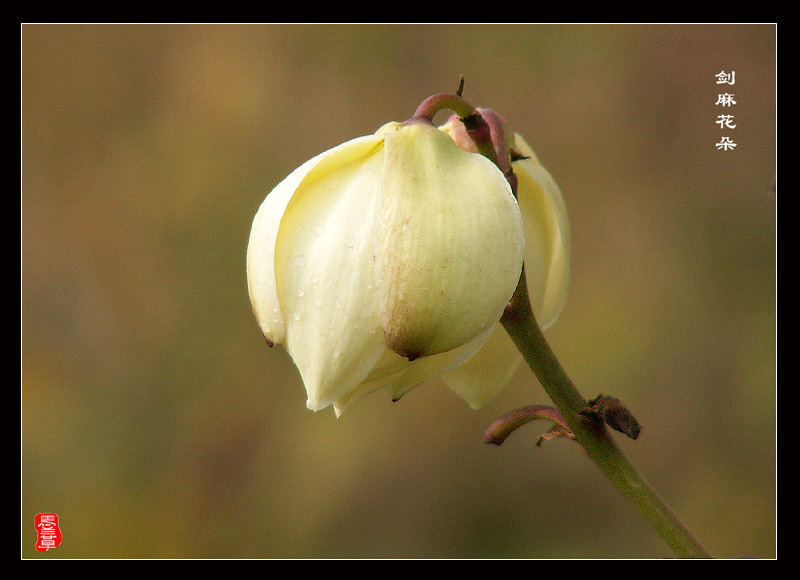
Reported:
(157, 423)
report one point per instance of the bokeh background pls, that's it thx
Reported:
(156, 422)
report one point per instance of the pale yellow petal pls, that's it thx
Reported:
(325, 272)
(485, 374)
(398, 375)
(547, 236)
(261, 254)
(450, 243)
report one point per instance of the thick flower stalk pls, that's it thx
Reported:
(389, 260)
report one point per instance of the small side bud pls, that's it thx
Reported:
(614, 414)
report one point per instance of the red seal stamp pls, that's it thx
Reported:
(48, 534)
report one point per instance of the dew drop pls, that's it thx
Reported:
(296, 316)
(299, 292)
(300, 261)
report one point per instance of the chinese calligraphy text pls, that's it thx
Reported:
(726, 100)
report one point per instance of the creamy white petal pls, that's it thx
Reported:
(398, 375)
(388, 365)
(430, 367)
(450, 243)
(261, 254)
(325, 272)
(547, 236)
(485, 374)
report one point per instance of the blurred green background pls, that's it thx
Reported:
(156, 422)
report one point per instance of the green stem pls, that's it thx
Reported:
(520, 322)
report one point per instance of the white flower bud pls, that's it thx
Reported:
(387, 261)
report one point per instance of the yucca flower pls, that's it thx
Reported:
(388, 260)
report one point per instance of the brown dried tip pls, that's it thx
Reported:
(614, 414)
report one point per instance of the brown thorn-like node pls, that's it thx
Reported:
(614, 414)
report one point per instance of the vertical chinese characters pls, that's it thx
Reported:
(725, 121)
